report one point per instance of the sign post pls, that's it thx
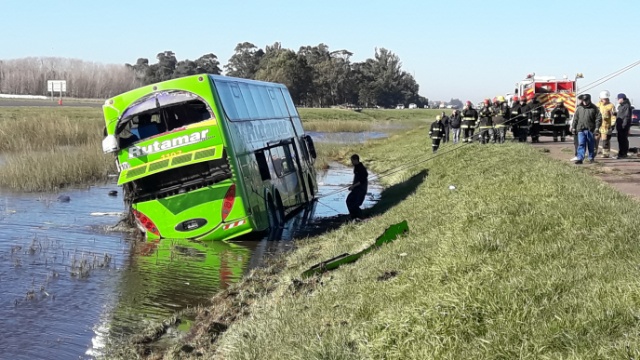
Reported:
(59, 86)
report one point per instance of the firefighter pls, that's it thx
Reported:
(514, 115)
(559, 115)
(469, 118)
(608, 112)
(502, 113)
(523, 122)
(436, 133)
(485, 124)
(535, 112)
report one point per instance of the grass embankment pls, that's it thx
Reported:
(527, 258)
(45, 149)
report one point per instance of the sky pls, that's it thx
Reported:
(455, 49)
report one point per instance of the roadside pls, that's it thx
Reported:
(483, 270)
(622, 175)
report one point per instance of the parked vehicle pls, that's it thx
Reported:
(634, 117)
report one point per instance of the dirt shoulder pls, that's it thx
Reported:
(622, 175)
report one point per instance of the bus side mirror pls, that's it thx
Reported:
(312, 149)
(109, 144)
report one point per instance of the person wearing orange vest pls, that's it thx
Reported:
(608, 112)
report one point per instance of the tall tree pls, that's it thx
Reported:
(208, 64)
(286, 67)
(245, 62)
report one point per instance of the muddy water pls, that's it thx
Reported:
(69, 286)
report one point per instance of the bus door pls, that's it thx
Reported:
(286, 175)
(302, 193)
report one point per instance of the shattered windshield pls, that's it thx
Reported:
(159, 113)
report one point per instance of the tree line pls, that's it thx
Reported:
(315, 75)
(28, 76)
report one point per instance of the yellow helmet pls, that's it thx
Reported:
(438, 117)
(501, 99)
(560, 100)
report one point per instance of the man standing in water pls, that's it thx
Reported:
(358, 188)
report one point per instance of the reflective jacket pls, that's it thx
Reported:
(437, 130)
(559, 115)
(534, 112)
(486, 115)
(516, 115)
(502, 114)
(469, 118)
(608, 112)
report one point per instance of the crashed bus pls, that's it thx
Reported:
(209, 157)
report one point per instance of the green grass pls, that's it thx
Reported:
(338, 126)
(39, 128)
(46, 149)
(525, 259)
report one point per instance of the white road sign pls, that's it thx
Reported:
(57, 85)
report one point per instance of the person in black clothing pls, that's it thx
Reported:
(446, 121)
(358, 188)
(486, 122)
(500, 120)
(559, 115)
(535, 112)
(437, 132)
(623, 125)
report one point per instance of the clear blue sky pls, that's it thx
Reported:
(461, 49)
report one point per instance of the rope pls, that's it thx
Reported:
(421, 160)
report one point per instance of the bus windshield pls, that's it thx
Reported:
(159, 113)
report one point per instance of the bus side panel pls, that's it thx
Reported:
(258, 117)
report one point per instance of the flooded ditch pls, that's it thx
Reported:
(69, 284)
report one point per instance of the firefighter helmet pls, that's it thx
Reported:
(515, 98)
(501, 99)
(604, 94)
(438, 118)
(468, 102)
(560, 100)
(494, 100)
(487, 101)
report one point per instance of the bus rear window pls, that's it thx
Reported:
(158, 114)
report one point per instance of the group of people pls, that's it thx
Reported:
(524, 116)
(595, 123)
(591, 124)
(493, 120)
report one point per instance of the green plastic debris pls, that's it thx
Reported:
(389, 235)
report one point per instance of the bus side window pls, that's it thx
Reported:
(276, 159)
(261, 159)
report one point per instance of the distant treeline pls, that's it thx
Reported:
(314, 75)
(28, 76)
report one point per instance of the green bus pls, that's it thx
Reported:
(209, 157)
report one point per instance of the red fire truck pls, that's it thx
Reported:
(547, 89)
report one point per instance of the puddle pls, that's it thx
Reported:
(69, 286)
